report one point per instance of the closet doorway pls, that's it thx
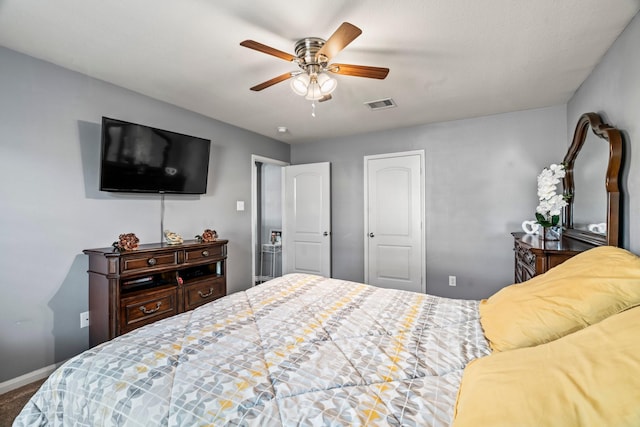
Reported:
(266, 218)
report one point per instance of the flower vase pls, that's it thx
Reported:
(551, 234)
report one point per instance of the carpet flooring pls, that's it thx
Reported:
(12, 402)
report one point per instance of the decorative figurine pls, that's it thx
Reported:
(172, 238)
(207, 236)
(126, 242)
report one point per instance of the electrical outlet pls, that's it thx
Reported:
(452, 280)
(84, 319)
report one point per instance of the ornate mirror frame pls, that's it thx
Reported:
(613, 137)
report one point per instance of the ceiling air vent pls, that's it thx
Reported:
(380, 104)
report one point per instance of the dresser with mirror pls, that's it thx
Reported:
(592, 215)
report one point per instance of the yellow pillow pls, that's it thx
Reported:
(577, 293)
(588, 378)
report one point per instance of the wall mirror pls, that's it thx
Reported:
(592, 172)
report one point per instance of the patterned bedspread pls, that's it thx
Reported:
(298, 350)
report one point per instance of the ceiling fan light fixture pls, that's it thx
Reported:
(313, 86)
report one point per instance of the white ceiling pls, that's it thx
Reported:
(449, 59)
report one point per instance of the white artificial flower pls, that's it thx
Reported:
(558, 170)
(550, 203)
(543, 208)
(546, 192)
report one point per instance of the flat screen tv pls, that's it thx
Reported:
(142, 159)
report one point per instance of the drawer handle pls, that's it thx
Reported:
(205, 253)
(152, 261)
(153, 310)
(208, 294)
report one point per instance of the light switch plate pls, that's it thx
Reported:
(239, 205)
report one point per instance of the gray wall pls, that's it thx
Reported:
(613, 90)
(480, 186)
(52, 209)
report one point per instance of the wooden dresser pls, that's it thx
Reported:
(131, 289)
(533, 256)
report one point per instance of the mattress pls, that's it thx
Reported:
(297, 350)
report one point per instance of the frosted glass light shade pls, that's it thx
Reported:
(314, 91)
(300, 84)
(327, 84)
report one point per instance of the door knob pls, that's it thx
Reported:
(325, 233)
(371, 235)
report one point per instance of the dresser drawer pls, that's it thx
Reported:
(202, 292)
(203, 253)
(148, 307)
(145, 261)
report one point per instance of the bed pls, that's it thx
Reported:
(298, 349)
(308, 350)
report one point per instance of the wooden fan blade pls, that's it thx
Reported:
(345, 34)
(273, 81)
(268, 50)
(325, 98)
(359, 71)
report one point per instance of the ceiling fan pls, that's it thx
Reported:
(312, 56)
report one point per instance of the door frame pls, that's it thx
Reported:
(254, 206)
(423, 227)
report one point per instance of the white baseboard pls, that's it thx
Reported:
(28, 378)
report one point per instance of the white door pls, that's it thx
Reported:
(306, 219)
(394, 217)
